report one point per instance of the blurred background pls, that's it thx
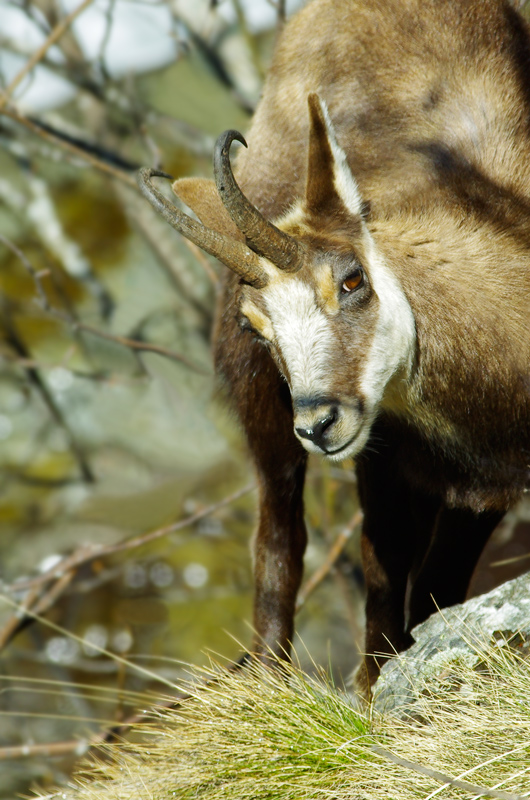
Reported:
(126, 494)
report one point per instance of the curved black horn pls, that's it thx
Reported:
(234, 254)
(261, 235)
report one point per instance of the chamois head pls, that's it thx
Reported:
(314, 290)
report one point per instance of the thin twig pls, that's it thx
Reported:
(507, 561)
(164, 249)
(115, 172)
(36, 379)
(34, 603)
(109, 12)
(325, 568)
(133, 344)
(440, 777)
(56, 34)
(102, 166)
(110, 734)
(54, 592)
(13, 623)
(54, 749)
(248, 38)
(205, 264)
(76, 325)
(30, 269)
(88, 553)
(282, 14)
(100, 376)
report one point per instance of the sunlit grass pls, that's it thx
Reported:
(262, 734)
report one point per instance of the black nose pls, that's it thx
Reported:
(316, 433)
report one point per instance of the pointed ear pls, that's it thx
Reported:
(202, 197)
(328, 175)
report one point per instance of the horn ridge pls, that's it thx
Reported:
(234, 254)
(262, 236)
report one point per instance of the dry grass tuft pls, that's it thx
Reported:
(262, 735)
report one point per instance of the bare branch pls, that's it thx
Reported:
(15, 341)
(325, 568)
(52, 750)
(162, 241)
(282, 13)
(76, 325)
(56, 34)
(13, 623)
(30, 269)
(85, 554)
(35, 603)
(132, 344)
(74, 150)
(250, 40)
(205, 264)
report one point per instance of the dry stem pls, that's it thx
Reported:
(39, 54)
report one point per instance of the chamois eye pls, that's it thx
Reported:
(245, 326)
(353, 281)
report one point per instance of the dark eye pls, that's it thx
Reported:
(245, 325)
(353, 281)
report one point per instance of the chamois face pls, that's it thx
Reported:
(341, 333)
(340, 329)
(337, 322)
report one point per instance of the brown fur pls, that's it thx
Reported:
(430, 100)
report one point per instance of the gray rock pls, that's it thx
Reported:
(456, 633)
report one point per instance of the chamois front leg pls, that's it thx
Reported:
(456, 545)
(279, 547)
(263, 404)
(396, 530)
(280, 540)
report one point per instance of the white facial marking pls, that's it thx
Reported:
(392, 349)
(295, 215)
(302, 334)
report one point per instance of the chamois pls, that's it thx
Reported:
(378, 299)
